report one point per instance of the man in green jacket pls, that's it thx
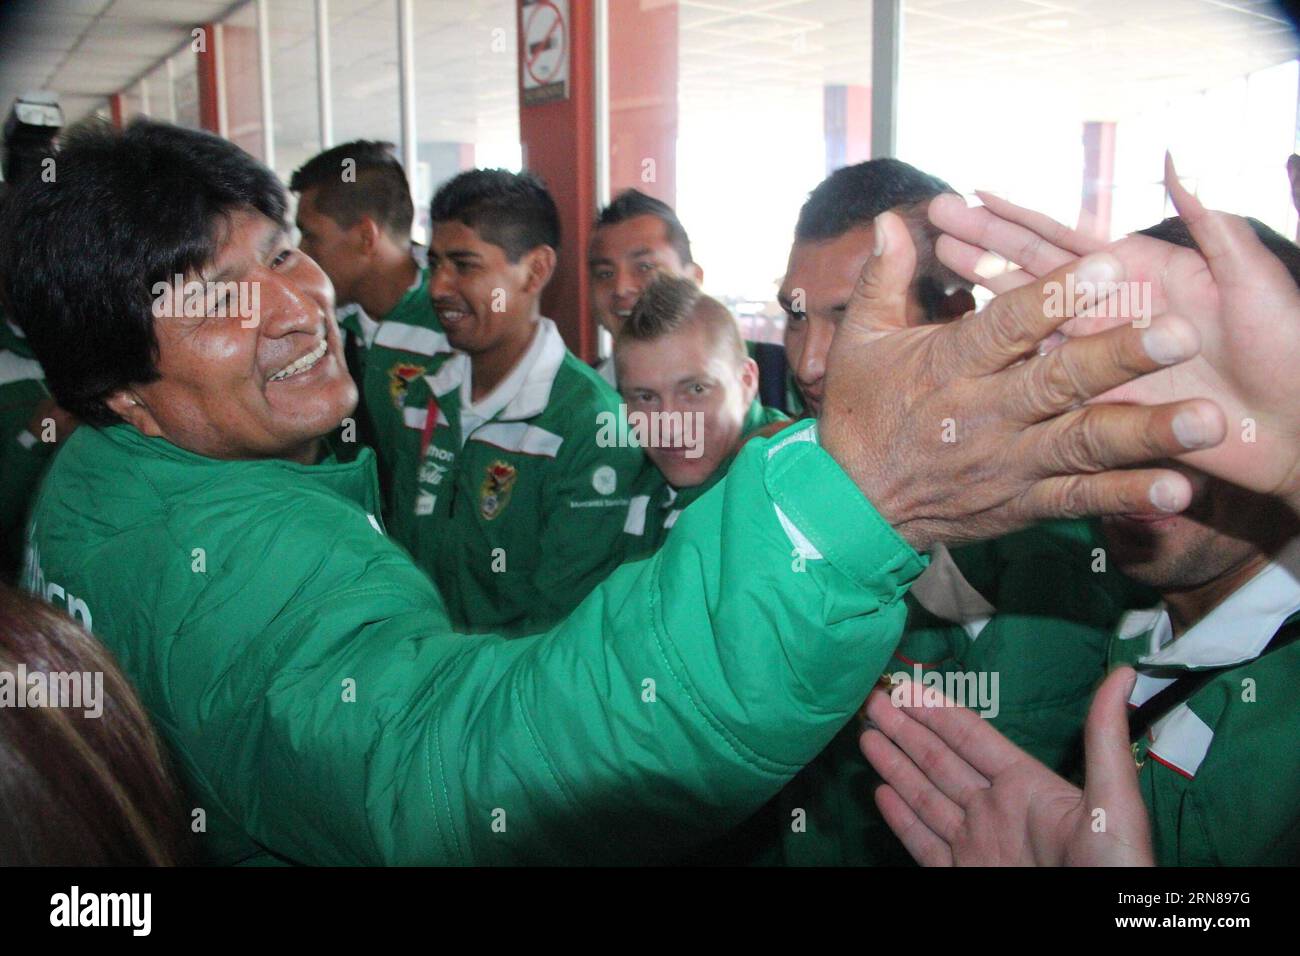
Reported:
(304, 672)
(354, 217)
(515, 503)
(691, 392)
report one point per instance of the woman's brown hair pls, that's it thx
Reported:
(78, 788)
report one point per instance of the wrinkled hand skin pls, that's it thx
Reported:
(960, 432)
(1241, 299)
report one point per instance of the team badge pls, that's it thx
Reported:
(494, 493)
(400, 376)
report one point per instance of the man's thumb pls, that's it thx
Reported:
(880, 296)
(1105, 734)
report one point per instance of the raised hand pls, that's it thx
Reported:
(1240, 297)
(957, 792)
(960, 432)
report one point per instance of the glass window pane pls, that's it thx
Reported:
(243, 80)
(1072, 115)
(466, 93)
(732, 112)
(363, 70)
(295, 101)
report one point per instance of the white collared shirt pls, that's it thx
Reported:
(1235, 631)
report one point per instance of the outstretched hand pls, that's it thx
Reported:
(956, 792)
(1243, 302)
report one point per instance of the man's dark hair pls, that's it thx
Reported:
(79, 256)
(1174, 230)
(631, 203)
(376, 187)
(854, 196)
(510, 210)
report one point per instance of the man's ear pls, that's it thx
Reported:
(956, 304)
(127, 405)
(540, 263)
(696, 273)
(749, 379)
(365, 235)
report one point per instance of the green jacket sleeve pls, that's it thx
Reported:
(23, 457)
(684, 691)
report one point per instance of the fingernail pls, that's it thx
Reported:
(1102, 267)
(1191, 430)
(878, 229)
(1164, 495)
(990, 265)
(1165, 346)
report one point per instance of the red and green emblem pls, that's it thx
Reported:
(494, 493)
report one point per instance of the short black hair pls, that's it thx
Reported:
(855, 195)
(1174, 230)
(79, 256)
(378, 187)
(631, 203)
(510, 210)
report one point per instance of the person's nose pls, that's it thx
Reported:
(811, 366)
(289, 302)
(441, 284)
(626, 288)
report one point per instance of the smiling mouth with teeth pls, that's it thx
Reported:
(304, 364)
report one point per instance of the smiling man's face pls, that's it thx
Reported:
(268, 386)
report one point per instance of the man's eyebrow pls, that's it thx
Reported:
(461, 254)
(599, 261)
(269, 242)
(273, 238)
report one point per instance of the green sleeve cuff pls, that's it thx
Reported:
(828, 518)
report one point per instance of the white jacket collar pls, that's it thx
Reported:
(529, 383)
(1235, 631)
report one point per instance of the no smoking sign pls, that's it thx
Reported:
(545, 50)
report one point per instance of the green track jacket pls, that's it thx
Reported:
(23, 456)
(519, 519)
(1026, 618)
(1220, 772)
(320, 707)
(404, 345)
(655, 504)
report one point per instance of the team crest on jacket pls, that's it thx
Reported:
(494, 493)
(400, 376)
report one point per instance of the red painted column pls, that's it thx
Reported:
(206, 70)
(1098, 178)
(643, 98)
(242, 75)
(559, 145)
(117, 109)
